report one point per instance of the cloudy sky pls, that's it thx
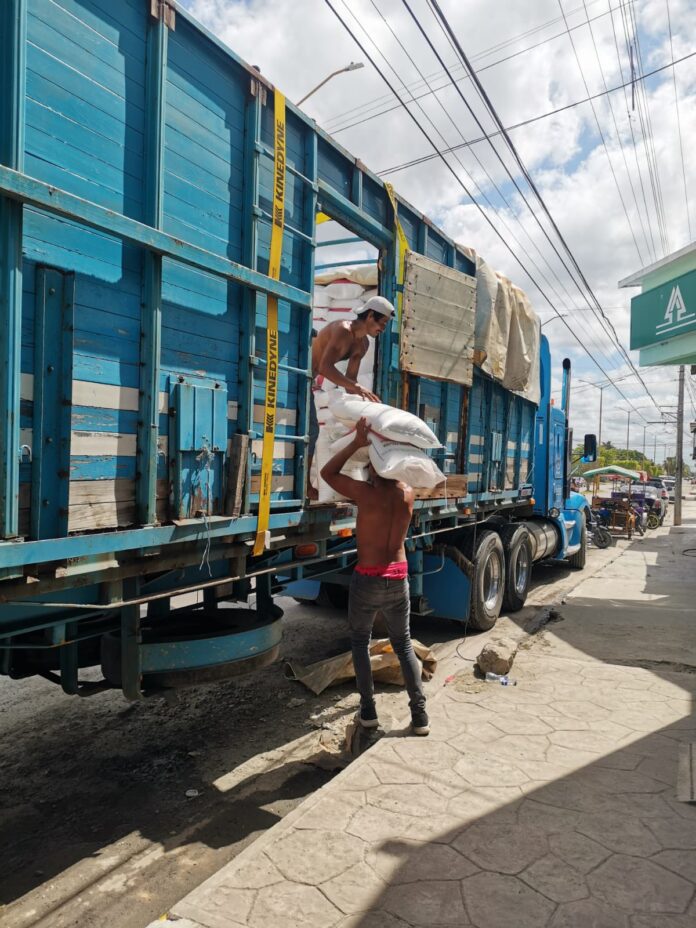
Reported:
(611, 172)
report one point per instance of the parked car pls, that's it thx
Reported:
(659, 484)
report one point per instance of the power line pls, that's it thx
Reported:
(633, 136)
(614, 120)
(457, 48)
(646, 127)
(377, 101)
(527, 122)
(676, 106)
(601, 136)
(477, 205)
(480, 163)
(594, 302)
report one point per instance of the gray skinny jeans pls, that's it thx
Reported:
(368, 596)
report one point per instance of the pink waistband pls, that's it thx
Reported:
(397, 570)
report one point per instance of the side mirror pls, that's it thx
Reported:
(589, 454)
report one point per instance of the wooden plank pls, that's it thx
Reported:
(278, 484)
(455, 486)
(114, 514)
(236, 475)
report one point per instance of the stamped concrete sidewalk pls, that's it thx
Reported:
(552, 803)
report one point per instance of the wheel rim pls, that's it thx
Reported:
(491, 582)
(522, 570)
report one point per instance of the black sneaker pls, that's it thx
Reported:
(420, 723)
(367, 716)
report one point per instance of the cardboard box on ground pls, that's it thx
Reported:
(399, 446)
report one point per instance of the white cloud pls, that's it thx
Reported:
(296, 43)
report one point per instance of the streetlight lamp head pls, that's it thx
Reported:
(355, 66)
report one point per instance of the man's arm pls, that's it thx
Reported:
(357, 490)
(333, 352)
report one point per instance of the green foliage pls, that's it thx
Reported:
(608, 455)
(670, 467)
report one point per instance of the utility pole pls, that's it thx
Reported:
(628, 430)
(599, 432)
(680, 450)
(655, 452)
(644, 428)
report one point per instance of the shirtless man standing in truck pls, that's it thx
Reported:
(345, 341)
(380, 579)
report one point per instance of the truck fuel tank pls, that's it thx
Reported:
(545, 537)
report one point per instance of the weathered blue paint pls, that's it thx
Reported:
(147, 177)
(13, 15)
(53, 358)
(209, 651)
(59, 202)
(151, 315)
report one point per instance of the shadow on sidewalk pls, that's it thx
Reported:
(604, 841)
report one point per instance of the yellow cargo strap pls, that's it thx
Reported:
(269, 417)
(322, 217)
(402, 251)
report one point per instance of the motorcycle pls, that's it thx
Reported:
(600, 535)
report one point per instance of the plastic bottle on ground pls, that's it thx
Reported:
(501, 678)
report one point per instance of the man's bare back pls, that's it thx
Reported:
(384, 513)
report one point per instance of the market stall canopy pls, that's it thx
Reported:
(613, 472)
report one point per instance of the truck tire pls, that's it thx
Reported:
(578, 560)
(518, 566)
(488, 581)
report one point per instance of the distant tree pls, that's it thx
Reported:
(670, 467)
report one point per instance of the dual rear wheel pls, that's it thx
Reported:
(502, 573)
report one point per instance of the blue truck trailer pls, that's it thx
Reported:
(158, 213)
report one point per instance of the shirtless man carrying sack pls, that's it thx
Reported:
(345, 341)
(380, 579)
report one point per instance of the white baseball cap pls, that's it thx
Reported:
(379, 305)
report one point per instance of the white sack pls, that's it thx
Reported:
(361, 456)
(322, 455)
(389, 422)
(319, 314)
(353, 306)
(342, 290)
(340, 314)
(366, 275)
(320, 297)
(398, 461)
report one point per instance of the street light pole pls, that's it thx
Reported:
(353, 66)
(601, 388)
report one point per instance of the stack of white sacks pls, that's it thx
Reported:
(340, 295)
(399, 441)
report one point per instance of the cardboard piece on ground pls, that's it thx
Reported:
(385, 667)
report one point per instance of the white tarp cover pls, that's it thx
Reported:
(366, 275)
(508, 333)
(437, 336)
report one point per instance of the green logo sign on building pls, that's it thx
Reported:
(665, 312)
